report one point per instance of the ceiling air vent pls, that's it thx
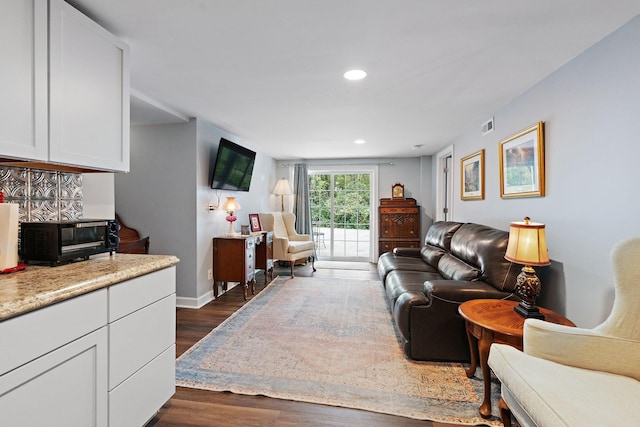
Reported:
(487, 126)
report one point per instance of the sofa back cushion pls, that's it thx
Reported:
(437, 241)
(483, 248)
(432, 254)
(452, 268)
(440, 234)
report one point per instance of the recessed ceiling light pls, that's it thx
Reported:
(359, 141)
(355, 74)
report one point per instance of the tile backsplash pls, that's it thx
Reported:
(42, 195)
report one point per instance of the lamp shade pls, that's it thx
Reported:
(282, 187)
(231, 205)
(527, 243)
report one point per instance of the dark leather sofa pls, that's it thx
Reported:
(424, 286)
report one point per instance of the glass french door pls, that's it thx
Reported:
(341, 207)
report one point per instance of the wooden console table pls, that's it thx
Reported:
(489, 321)
(234, 261)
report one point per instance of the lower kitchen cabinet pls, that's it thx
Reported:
(105, 358)
(32, 395)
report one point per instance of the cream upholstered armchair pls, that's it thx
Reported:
(573, 376)
(288, 245)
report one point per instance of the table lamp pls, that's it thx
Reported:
(282, 189)
(528, 246)
(231, 205)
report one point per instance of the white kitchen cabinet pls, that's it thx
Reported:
(104, 358)
(53, 367)
(88, 92)
(23, 79)
(64, 82)
(142, 331)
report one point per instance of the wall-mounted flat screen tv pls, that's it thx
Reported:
(232, 167)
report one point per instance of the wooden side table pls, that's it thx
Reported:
(234, 261)
(489, 321)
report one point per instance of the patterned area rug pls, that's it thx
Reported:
(328, 341)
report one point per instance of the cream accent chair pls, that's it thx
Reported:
(578, 377)
(288, 245)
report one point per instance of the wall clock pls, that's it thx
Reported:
(397, 191)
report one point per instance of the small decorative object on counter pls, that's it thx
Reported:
(8, 235)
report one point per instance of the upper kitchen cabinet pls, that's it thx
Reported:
(23, 79)
(79, 115)
(88, 92)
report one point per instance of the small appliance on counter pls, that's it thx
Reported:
(8, 235)
(59, 242)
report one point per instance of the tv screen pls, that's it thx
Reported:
(232, 167)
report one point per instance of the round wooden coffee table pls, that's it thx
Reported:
(489, 321)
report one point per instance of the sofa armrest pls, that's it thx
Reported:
(408, 252)
(582, 348)
(459, 291)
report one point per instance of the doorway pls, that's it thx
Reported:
(341, 213)
(444, 185)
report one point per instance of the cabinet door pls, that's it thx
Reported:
(67, 387)
(23, 79)
(88, 93)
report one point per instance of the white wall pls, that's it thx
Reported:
(591, 110)
(166, 196)
(98, 200)
(415, 173)
(213, 224)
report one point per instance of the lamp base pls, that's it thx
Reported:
(528, 312)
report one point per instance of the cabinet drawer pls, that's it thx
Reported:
(33, 334)
(410, 210)
(126, 297)
(139, 337)
(137, 399)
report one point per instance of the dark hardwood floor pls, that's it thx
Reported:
(191, 407)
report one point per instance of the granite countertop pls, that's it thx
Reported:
(38, 286)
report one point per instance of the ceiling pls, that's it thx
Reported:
(270, 71)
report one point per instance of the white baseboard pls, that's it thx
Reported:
(202, 300)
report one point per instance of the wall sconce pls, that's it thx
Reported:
(527, 245)
(231, 205)
(282, 189)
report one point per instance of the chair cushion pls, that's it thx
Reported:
(552, 394)
(296, 246)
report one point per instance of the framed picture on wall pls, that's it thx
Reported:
(522, 163)
(254, 222)
(472, 176)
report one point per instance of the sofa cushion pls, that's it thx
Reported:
(452, 268)
(440, 234)
(388, 262)
(484, 247)
(431, 255)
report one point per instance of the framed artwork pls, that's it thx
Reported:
(522, 163)
(254, 222)
(397, 191)
(472, 176)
